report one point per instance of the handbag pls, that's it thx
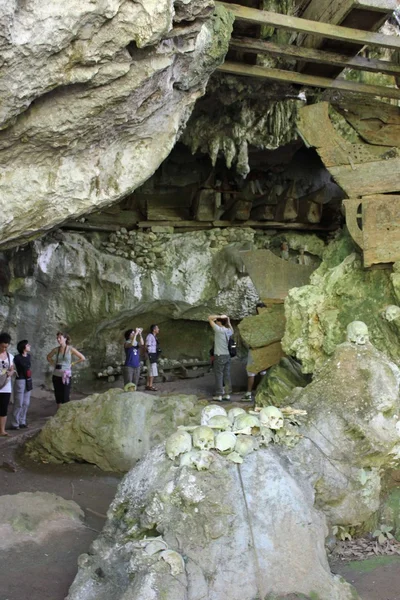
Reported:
(153, 357)
(29, 384)
(4, 376)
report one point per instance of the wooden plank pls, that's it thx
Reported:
(370, 178)
(315, 56)
(87, 227)
(255, 224)
(376, 122)
(310, 80)
(326, 30)
(381, 229)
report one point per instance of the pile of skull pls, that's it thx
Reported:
(234, 434)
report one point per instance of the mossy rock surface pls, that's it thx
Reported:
(263, 329)
(279, 382)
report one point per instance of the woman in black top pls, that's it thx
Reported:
(22, 385)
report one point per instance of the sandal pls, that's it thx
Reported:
(151, 389)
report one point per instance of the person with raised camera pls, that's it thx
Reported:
(223, 330)
(133, 341)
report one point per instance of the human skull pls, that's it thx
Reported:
(234, 412)
(244, 445)
(245, 424)
(266, 436)
(357, 333)
(201, 459)
(209, 411)
(271, 416)
(174, 560)
(203, 438)
(392, 312)
(178, 443)
(225, 442)
(220, 422)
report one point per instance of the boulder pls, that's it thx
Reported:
(279, 382)
(112, 430)
(263, 329)
(351, 433)
(31, 517)
(262, 359)
(94, 97)
(340, 291)
(234, 531)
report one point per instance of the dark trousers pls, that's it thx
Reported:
(222, 373)
(61, 390)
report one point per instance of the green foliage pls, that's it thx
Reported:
(383, 534)
(343, 533)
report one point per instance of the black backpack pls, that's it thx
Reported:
(232, 347)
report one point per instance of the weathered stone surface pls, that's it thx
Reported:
(108, 294)
(340, 292)
(389, 513)
(265, 328)
(263, 358)
(94, 97)
(112, 430)
(279, 382)
(352, 431)
(227, 527)
(31, 517)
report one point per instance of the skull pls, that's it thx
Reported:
(178, 443)
(211, 411)
(225, 442)
(266, 436)
(174, 560)
(245, 424)
(234, 412)
(203, 438)
(220, 422)
(244, 445)
(271, 417)
(357, 333)
(392, 312)
(201, 459)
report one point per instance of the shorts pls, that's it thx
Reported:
(4, 402)
(152, 369)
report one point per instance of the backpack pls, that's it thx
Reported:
(232, 347)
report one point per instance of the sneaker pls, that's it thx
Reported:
(226, 398)
(217, 398)
(247, 397)
(24, 426)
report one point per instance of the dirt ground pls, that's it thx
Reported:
(45, 571)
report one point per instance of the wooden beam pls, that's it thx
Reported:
(308, 80)
(334, 32)
(88, 227)
(315, 56)
(254, 224)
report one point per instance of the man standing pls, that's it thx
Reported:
(152, 352)
(222, 361)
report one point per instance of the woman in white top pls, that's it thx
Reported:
(6, 367)
(61, 359)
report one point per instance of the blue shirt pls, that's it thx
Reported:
(132, 358)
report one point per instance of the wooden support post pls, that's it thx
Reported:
(326, 30)
(309, 80)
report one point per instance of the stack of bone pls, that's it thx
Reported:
(234, 434)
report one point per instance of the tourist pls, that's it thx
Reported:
(223, 330)
(131, 370)
(6, 372)
(251, 375)
(152, 352)
(22, 385)
(62, 367)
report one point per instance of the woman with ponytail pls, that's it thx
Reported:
(62, 360)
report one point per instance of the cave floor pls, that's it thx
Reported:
(45, 570)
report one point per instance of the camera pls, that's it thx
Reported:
(58, 366)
